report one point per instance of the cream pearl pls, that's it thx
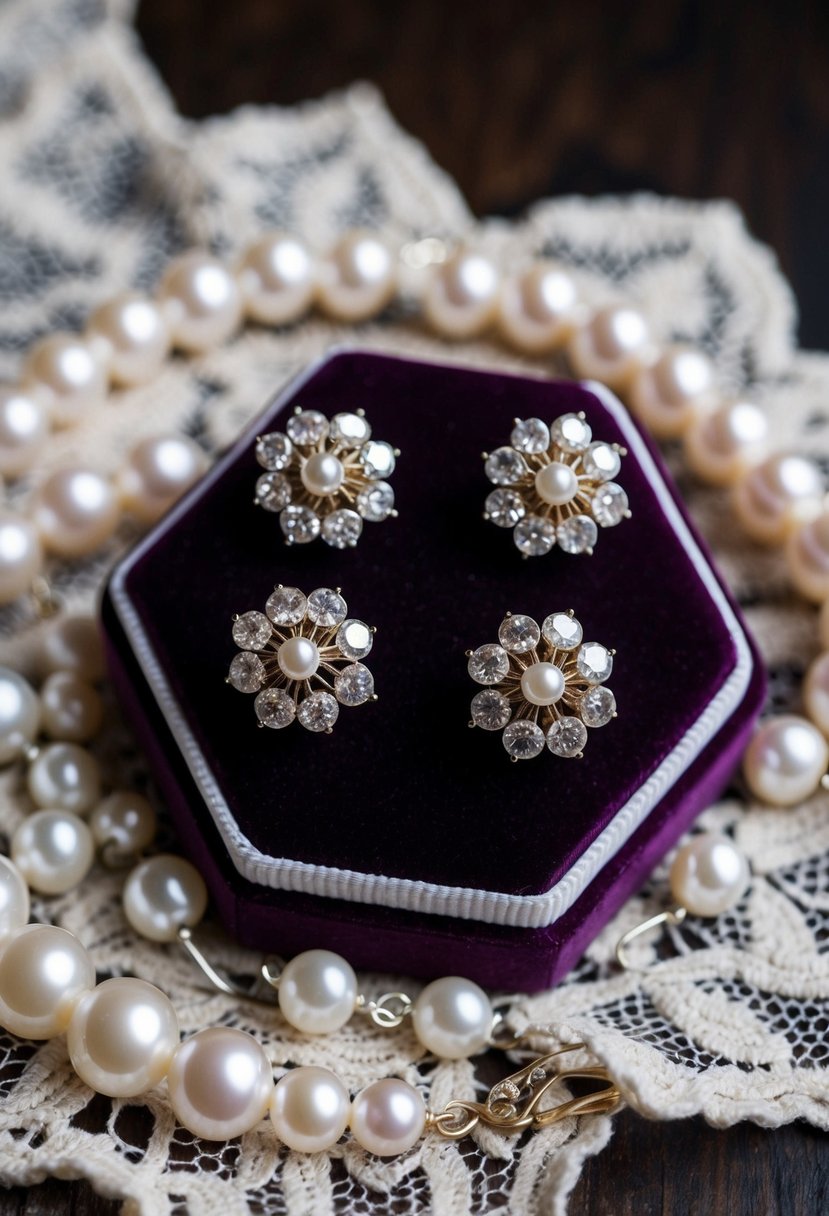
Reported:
(388, 1117)
(132, 336)
(24, 425)
(611, 346)
(162, 895)
(298, 658)
(709, 875)
(156, 474)
(310, 1109)
(671, 392)
(322, 474)
(452, 1017)
(21, 556)
(122, 1036)
(125, 820)
(53, 850)
(461, 296)
(317, 992)
(277, 278)
(69, 373)
(785, 760)
(542, 683)
(14, 898)
(556, 483)
(201, 301)
(220, 1083)
(720, 447)
(72, 709)
(19, 715)
(73, 643)
(537, 308)
(777, 495)
(816, 692)
(43, 971)
(66, 777)
(357, 278)
(75, 512)
(807, 558)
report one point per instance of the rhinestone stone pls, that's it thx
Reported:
(595, 662)
(350, 430)
(609, 505)
(377, 459)
(341, 529)
(567, 737)
(601, 461)
(505, 466)
(376, 502)
(274, 451)
(504, 508)
(299, 524)
(354, 639)
(571, 433)
(247, 672)
(318, 712)
(251, 631)
(354, 685)
(326, 607)
(286, 605)
(562, 630)
(577, 534)
(534, 536)
(490, 709)
(488, 664)
(530, 435)
(274, 708)
(273, 491)
(523, 739)
(597, 706)
(307, 427)
(519, 634)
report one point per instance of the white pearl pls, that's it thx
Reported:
(452, 1017)
(53, 850)
(19, 715)
(75, 512)
(310, 1109)
(43, 971)
(66, 777)
(156, 474)
(778, 494)
(72, 709)
(537, 308)
(124, 819)
(671, 392)
(556, 483)
(322, 474)
(220, 1083)
(357, 277)
(816, 692)
(201, 301)
(132, 336)
(611, 346)
(807, 558)
(784, 762)
(709, 875)
(69, 374)
(163, 894)
(21, 556)
(299, 658)
(317, 992)
(122, 1036)
(461, 296)
(721, 447)
(277, 279)
(14, 898)
(388, 1117)
(542, 683)
(24, 425)
(73, 643)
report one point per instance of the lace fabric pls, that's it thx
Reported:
(102, 183)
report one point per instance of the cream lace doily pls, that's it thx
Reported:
(102, 181)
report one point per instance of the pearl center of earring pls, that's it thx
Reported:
(542, 683)
(299, 658)
(556, 484)
(322, 474)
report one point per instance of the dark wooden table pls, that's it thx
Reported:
(523, 99)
